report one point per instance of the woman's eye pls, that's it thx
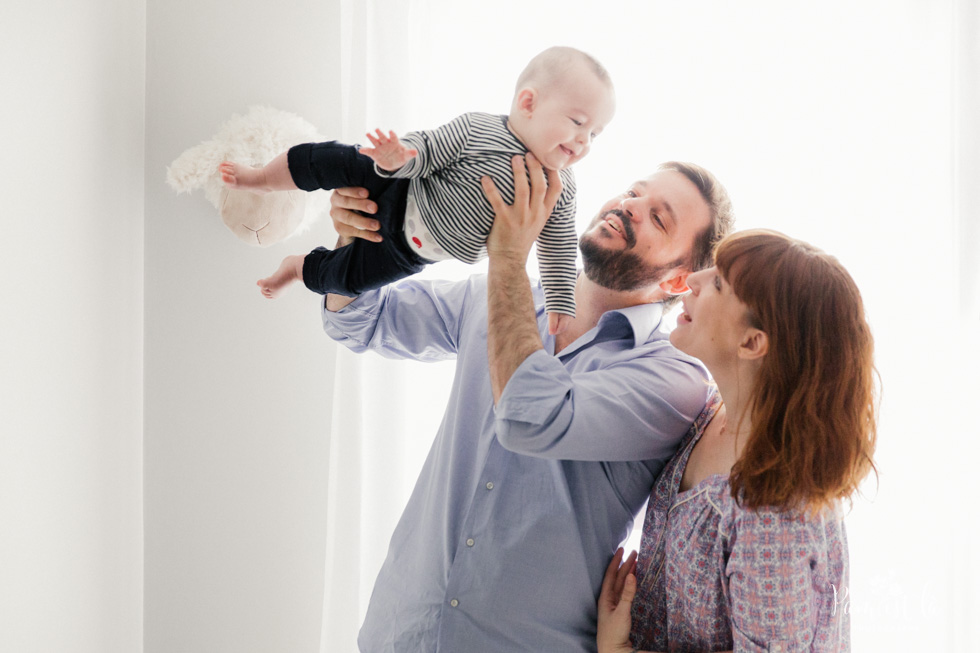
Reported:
(578, 123)
(718, 283)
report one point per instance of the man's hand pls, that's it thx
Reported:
(344, 202)
(388, 152)
(517, 226)
(344, 205)
(615, 603)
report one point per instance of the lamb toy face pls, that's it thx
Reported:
(253, 139)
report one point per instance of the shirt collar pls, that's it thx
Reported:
(641, 320)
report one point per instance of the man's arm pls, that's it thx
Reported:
(636, 408)
(512, 329)
(414, 319)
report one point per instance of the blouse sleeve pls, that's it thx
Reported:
(786, 575)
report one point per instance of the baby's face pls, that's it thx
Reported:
(566, 118)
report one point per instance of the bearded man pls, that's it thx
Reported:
(549, 444)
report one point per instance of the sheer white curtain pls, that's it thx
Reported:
(390, 409)
(852, 125)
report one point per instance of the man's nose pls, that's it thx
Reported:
(627, 206)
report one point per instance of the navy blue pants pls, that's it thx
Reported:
(361, 265)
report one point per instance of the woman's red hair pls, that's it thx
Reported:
(814, 406)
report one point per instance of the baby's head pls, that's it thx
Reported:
(564, 99)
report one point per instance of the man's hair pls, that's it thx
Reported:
(814, 405)
(554, 64)
(721, 219)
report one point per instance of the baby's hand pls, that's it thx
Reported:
(558, 322)
(388, 152)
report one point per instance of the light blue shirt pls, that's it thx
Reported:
(517, 511)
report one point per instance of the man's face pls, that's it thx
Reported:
(644, 236)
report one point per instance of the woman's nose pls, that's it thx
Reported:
(694, 282)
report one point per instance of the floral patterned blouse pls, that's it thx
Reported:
(716, 577)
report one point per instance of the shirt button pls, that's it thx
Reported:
(490, 485)
(470, 542)
(454, 603)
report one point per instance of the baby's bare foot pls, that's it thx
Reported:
(243, 177)
(290, 270)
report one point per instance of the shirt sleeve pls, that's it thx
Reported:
(557, 248)
(438, 148)
(416, 320)
(781, 596)
(637, 409)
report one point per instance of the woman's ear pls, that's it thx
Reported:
(754, 345)
(527, 100)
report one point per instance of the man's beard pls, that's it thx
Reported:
(619, 270)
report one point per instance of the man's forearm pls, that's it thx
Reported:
(336, 302)
(512, 329)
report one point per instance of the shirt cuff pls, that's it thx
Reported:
(350, 319)
(381, 172)
(536, 389)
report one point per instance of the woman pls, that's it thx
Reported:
(743, 546)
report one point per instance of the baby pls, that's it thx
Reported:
(427, 184)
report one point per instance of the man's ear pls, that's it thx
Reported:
(676, 285)
(527, 101)
(754, 345)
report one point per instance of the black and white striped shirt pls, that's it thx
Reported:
(446, 186)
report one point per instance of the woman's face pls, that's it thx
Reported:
(713, 322)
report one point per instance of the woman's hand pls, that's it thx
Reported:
(516, 226)
(349, 225)
(615, 603)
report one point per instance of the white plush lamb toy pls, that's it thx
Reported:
(253, 139)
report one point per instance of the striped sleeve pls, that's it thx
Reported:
(557, 246)
(437, 149)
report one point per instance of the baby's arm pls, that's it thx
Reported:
(557, 245)
(435, 149)
(388, 152)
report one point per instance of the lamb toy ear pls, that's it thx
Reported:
(253, 139)
(192, 169)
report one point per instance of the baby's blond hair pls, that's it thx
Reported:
(554, 64)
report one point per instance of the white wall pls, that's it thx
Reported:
(238, 387)
(71, 197)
